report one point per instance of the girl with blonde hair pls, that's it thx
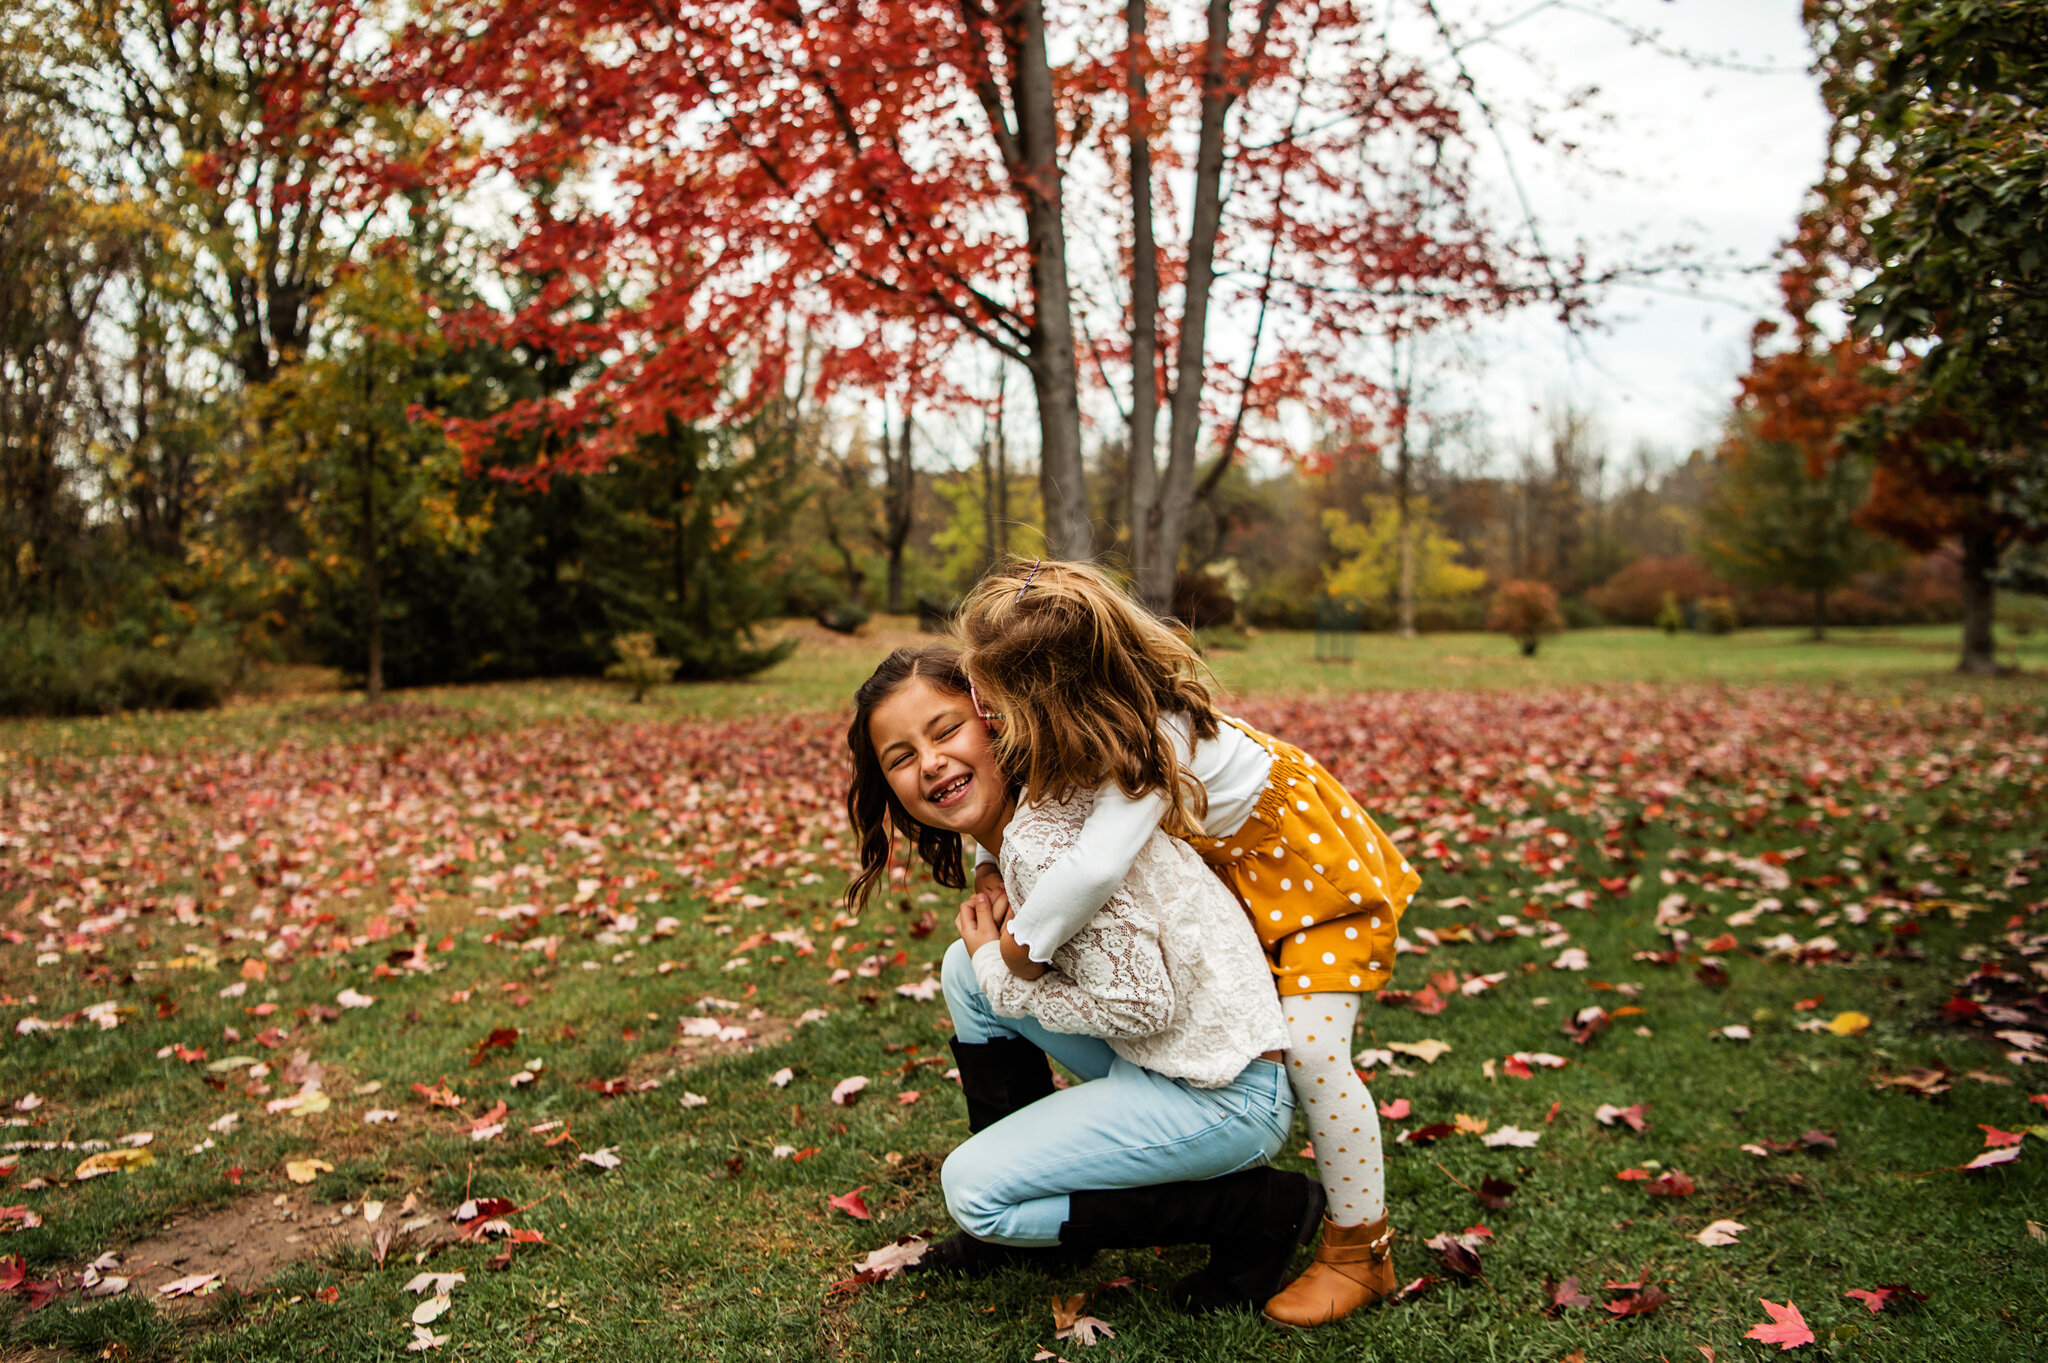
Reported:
(1093, 700)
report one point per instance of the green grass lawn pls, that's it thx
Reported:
(1285, 661)
(824, 670)
(299, 849)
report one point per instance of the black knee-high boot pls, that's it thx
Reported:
(997, 1078)
(1252, 1221)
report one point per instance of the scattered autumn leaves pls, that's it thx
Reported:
(577, 845)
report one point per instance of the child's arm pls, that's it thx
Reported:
(988, 884)
(1074, 888)
(1119, 988)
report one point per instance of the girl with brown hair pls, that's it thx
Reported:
(1160, 1003)
(1095, 701)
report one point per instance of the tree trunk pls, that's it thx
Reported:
(1052, 354)
(373, 577)
(1404, 587)
(1169, 516)
(901, 488)
(856, 580)
(1820, 614)
(1980, 561)
(681, 472)
(1144, 471)
(995, 487)
(1176, 495)
(1002, 497)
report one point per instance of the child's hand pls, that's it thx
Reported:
(988, 881)
(1019, 959)
(976, 922)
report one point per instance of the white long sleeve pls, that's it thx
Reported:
(1077, 886)
(1118, 989)
(1231, 768)
(1169, 972)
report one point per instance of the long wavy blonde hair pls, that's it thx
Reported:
(1079, 676)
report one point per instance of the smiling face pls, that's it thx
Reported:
(936, 756)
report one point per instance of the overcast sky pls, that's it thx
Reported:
(1714, 157)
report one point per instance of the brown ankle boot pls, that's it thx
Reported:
(1354, 1267)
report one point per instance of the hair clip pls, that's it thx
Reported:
(986, 716)
(1036, 564)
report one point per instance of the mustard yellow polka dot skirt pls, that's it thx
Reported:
(1324, 886)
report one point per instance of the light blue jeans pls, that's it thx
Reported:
(1124, 1127)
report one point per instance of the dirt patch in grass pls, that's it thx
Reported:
(248, 1241)
(688, 1052)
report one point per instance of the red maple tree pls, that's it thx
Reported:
(894, 178)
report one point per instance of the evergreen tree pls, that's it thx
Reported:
(1775, 520)
(680, 536)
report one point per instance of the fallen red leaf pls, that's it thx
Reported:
(1562, 1295)
(1456, 1257)
(500, 1038)
(1638, 1303)
(852, 1204)
(1787, 1328)
(1677, 1183)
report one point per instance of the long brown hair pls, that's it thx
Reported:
(1081, 676)
(871, 806)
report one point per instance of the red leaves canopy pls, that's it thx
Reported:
(703, 180)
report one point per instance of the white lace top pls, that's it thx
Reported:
(1169, 973)
(1233, 770)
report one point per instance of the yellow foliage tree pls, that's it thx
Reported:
(1371, 569)
(344, 450)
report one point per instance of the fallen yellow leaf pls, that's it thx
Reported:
(112, 1162)
(1849, 1024)
(1471, 1126)
(306, 1170)
(1428, 1051)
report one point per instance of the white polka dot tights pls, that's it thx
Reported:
(1343, 1124)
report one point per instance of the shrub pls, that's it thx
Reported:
(638, 666)
(844, 619)
(1717, 615)
(2022, 614)
(1526, 610)
(1579, 613)
(1671, 616)
(935, 616)
(1283, 601)
(1202, 600)
(1636, 594)
(57, 667)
